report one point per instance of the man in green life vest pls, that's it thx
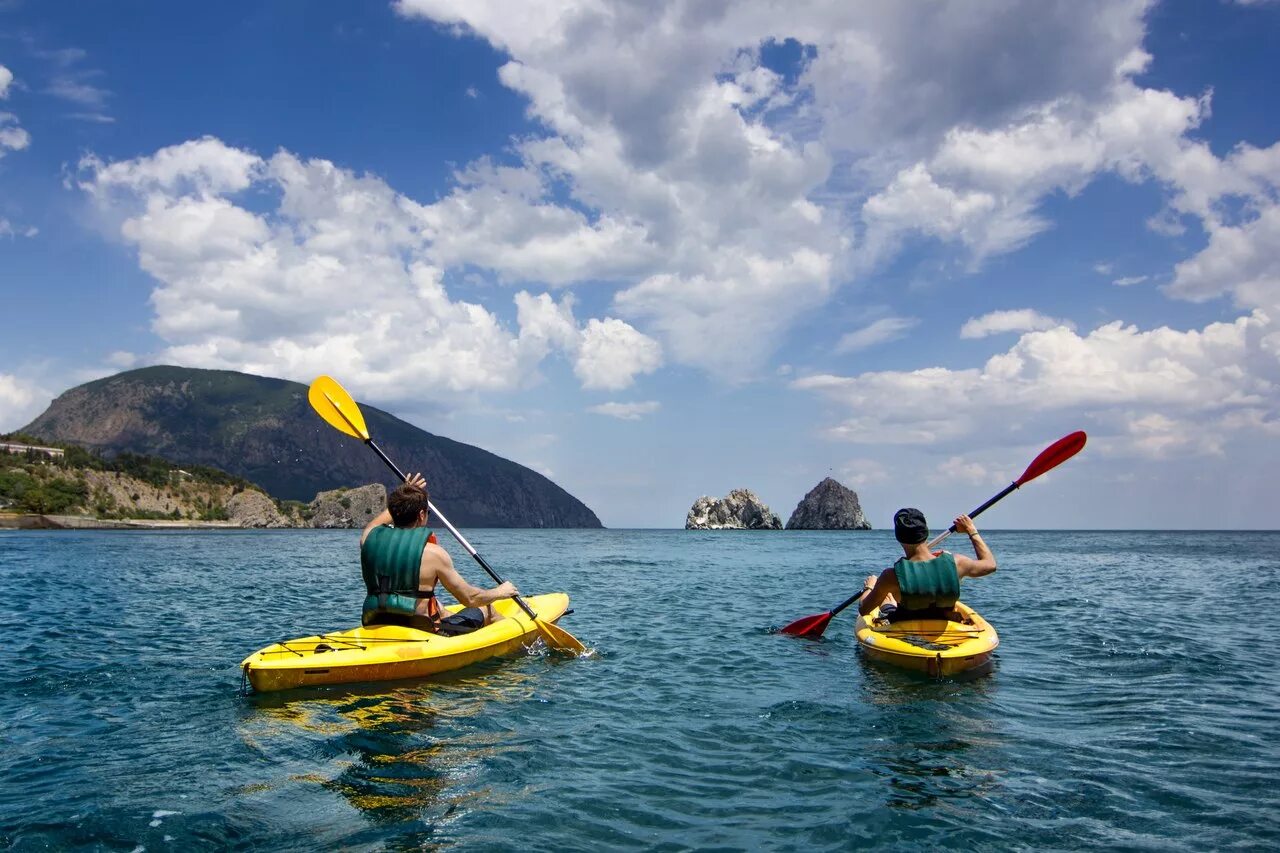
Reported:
(401, 563)
(921, 584)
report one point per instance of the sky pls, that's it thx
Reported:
(659, 250)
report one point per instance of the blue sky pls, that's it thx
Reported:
(664, 250)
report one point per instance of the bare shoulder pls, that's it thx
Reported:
(434, 555)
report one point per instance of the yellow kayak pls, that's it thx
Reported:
(938, 647)
(385, 652)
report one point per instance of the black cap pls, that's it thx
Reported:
(909, 526)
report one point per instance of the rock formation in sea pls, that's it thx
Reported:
(739, 510)
(348, 507)
(829, 506)
(252, 508)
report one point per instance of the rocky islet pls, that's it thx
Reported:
(828, 506)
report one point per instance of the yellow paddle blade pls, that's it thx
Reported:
(558, 638)
(332, 402)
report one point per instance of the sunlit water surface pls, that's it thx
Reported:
(1124, 709)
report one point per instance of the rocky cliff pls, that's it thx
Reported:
(739, 510)
(348, 507)
(829, 506)
(263, 430)
(252, 508)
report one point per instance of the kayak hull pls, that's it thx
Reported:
(935, 647)
(390, 652)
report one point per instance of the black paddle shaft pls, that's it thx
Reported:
(986, 506)
(484, 564)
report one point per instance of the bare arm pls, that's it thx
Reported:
(467, 594)
(884, 586)
(985, 563)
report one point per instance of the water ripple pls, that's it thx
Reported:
(1122, 710)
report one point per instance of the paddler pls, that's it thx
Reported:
(401, 563)
(921, 585)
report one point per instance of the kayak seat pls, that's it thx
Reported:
(406, 620)
(902, 614)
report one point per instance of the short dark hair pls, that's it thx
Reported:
(405, 503)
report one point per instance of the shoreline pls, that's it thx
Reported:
(31, 521)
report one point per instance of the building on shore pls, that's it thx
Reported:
(12, 447)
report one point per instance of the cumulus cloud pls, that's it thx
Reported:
(1128, 280)
(607, 354)
(626, 411)
(20, 401)
(982, 188)
(881, 331)
(338, 271)
(1116, 375)
(612, 353)
(707, 171)
(1018, 320)
(719, 200)
(727, 199)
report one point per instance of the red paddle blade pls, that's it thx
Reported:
(1053, 456)
(809, 626)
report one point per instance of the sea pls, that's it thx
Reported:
(1133, 704)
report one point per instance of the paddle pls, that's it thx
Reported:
(332, 402)
(1051, 457)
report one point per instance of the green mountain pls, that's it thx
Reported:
(264, 430)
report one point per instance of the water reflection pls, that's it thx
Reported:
(408, 752)
(936, 742)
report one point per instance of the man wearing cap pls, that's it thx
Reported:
(921, 584)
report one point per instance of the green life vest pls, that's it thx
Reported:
(928, 583)
(391, 560)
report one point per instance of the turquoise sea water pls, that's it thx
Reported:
(1131, 705)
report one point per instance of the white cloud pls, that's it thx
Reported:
(1018, 320)
(607, 354)
(881, 331)
(857, 473)
(958, 469)
(71, 81)
(20, 401)
(626, 411)
(338, 273)
(720, 201)
(1126, 281)
(981, 187)
(8, 229)
(75, 88)
(612, 353)
(1243, 260)
(1114, 375)
(12, 136)
(722, 196)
